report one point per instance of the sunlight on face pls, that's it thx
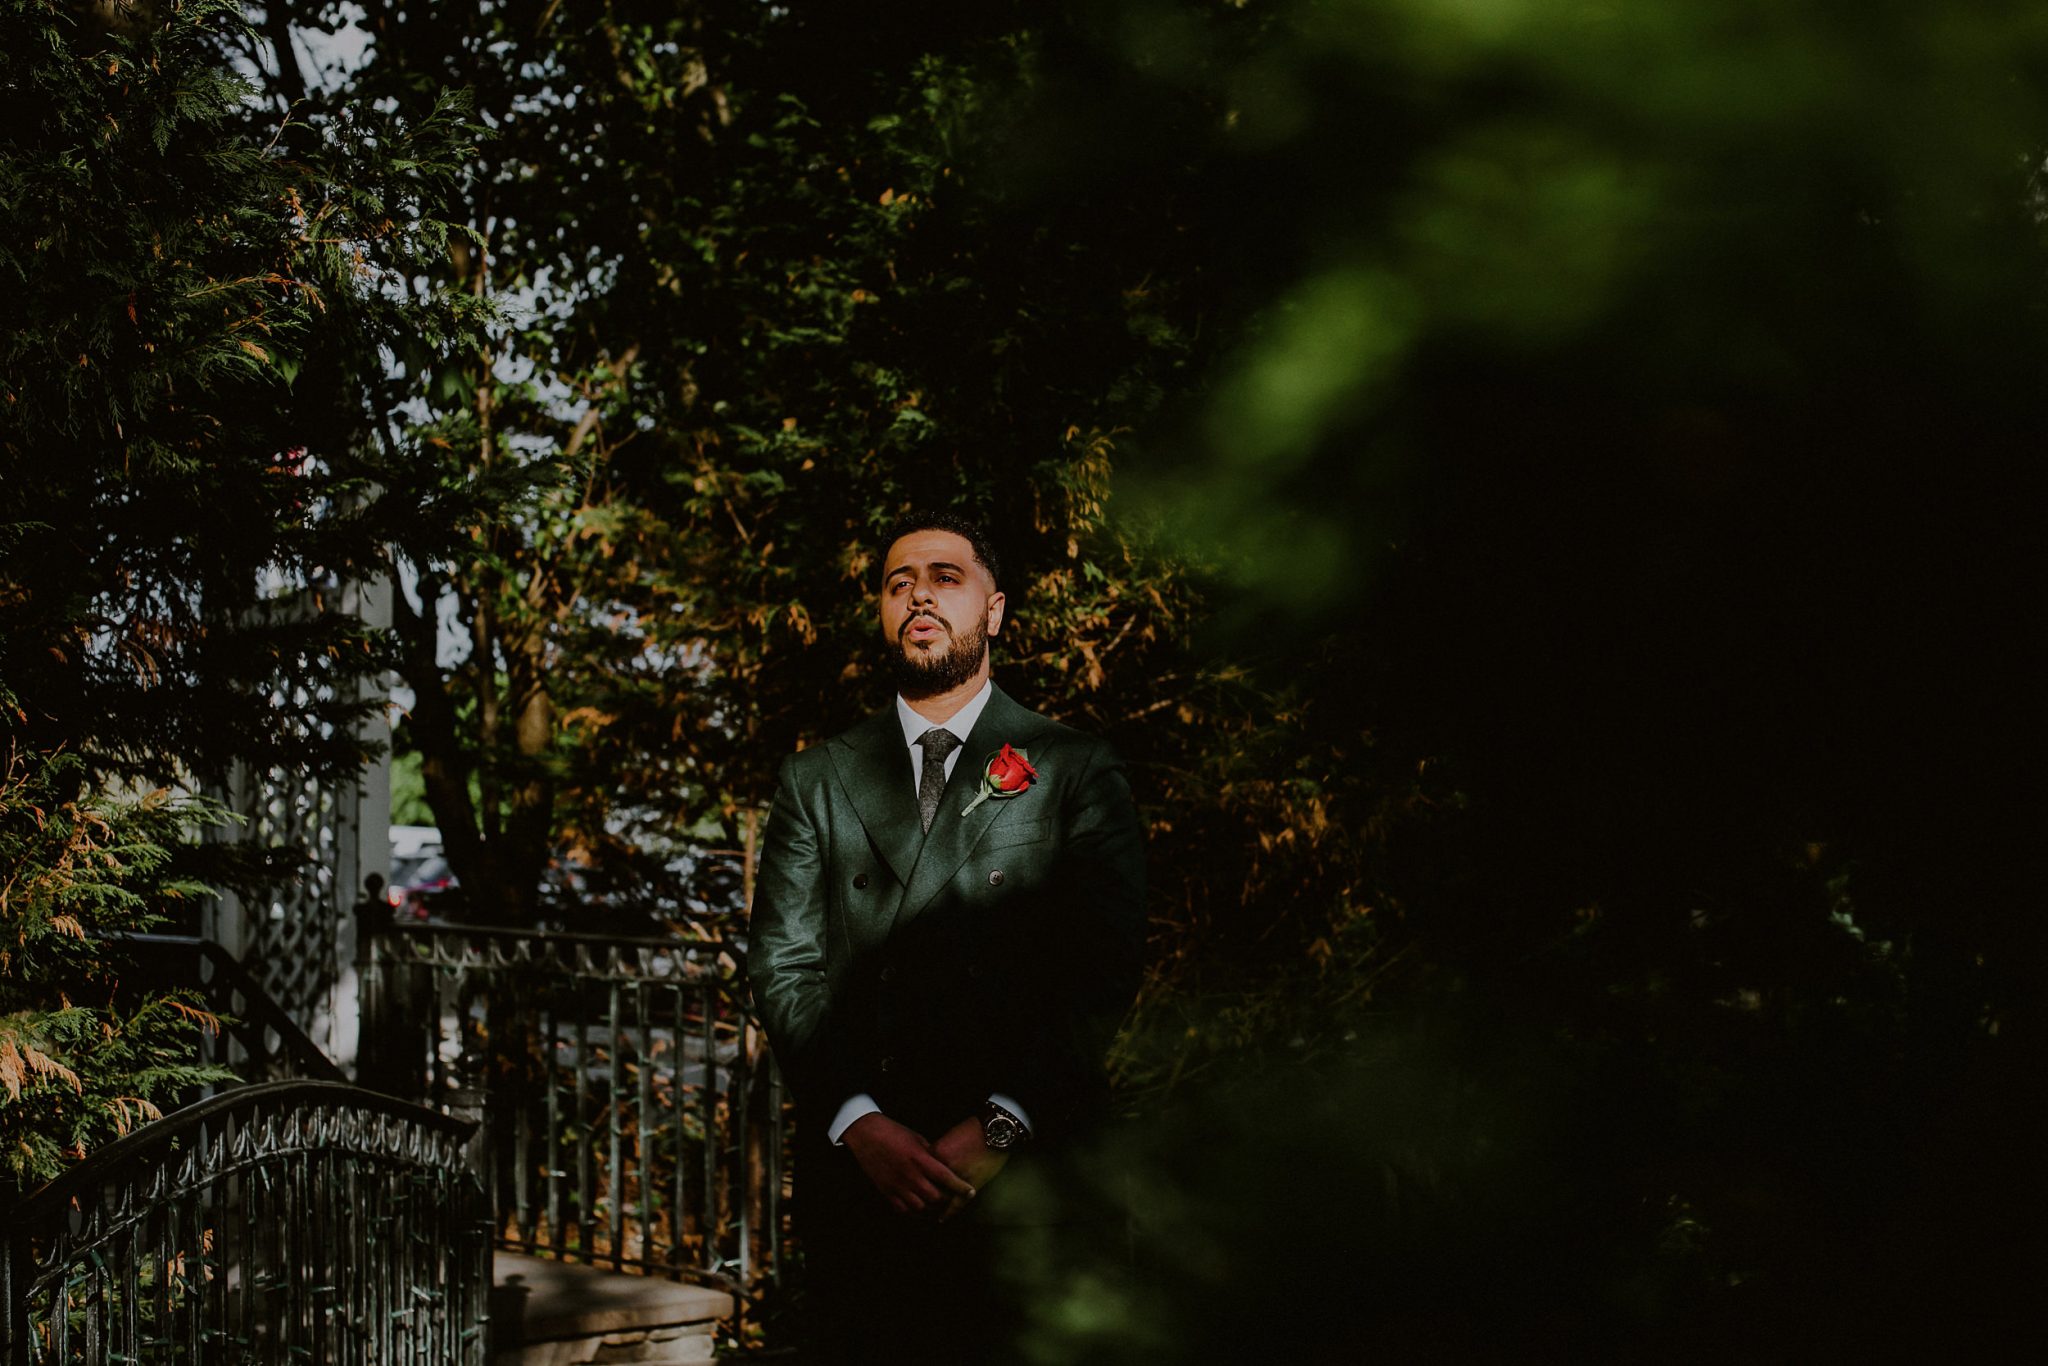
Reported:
(937, 608)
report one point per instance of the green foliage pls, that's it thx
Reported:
(767, 279)
(1535, 489)
(83, 1060)
(190, 306)
(1615, 435)
(753, 305)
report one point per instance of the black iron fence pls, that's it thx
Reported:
(632, 1118)
(279, 1222)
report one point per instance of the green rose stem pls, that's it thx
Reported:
(992, 786)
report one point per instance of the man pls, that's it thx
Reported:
(947, 928)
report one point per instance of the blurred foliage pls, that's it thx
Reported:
(1618, 442)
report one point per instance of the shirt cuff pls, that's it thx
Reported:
(996, 1098)
(856, 1107)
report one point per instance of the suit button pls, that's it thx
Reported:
(888, 1064)
(888, 974)
(995, 878)
(860, 882)
(974, 969)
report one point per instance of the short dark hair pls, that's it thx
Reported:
(970, 531)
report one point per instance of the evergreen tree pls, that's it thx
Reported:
(189, 308)
(193, 308)
(83, 1059)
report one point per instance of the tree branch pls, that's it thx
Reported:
(277, 27)
(443, 766)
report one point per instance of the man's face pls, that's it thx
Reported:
(938, 609)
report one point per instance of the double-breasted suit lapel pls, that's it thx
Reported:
(871, 768)
(873, 771)
(955, 830)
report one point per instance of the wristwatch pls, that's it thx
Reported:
(1001, 1130)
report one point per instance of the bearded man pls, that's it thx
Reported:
(947, 928)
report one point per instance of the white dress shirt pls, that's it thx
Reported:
(961, 723)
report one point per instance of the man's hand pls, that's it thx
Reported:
(962, 1150)
(902, 1166)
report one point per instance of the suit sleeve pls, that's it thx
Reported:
(787, 952)
(1083, 973)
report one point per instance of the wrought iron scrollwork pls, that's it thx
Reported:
(278, 1222)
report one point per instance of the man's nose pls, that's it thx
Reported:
(921, 591)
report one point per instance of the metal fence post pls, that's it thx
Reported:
(14, 1319)
(390, 1050)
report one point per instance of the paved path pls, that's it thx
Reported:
(547, 1313)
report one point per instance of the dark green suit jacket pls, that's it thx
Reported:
(995, 954)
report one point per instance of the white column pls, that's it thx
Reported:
(365, 845)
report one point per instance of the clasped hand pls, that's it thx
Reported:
(917, 1176)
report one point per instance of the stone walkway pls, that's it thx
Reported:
(547, 1313)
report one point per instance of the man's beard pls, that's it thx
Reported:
(921, 674)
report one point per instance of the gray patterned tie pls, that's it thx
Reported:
(938, 742)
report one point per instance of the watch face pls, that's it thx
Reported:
(1001, 1132)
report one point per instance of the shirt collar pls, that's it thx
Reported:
(960, 722)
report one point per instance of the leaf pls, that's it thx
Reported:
(43, 1065)
(207, 1019)
(118, 1105)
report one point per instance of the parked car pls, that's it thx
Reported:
(425, 890)
(423, 885)
(635, 899)
(642, 898)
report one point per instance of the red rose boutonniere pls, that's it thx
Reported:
(1009, 774)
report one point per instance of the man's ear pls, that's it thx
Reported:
(996, 602)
